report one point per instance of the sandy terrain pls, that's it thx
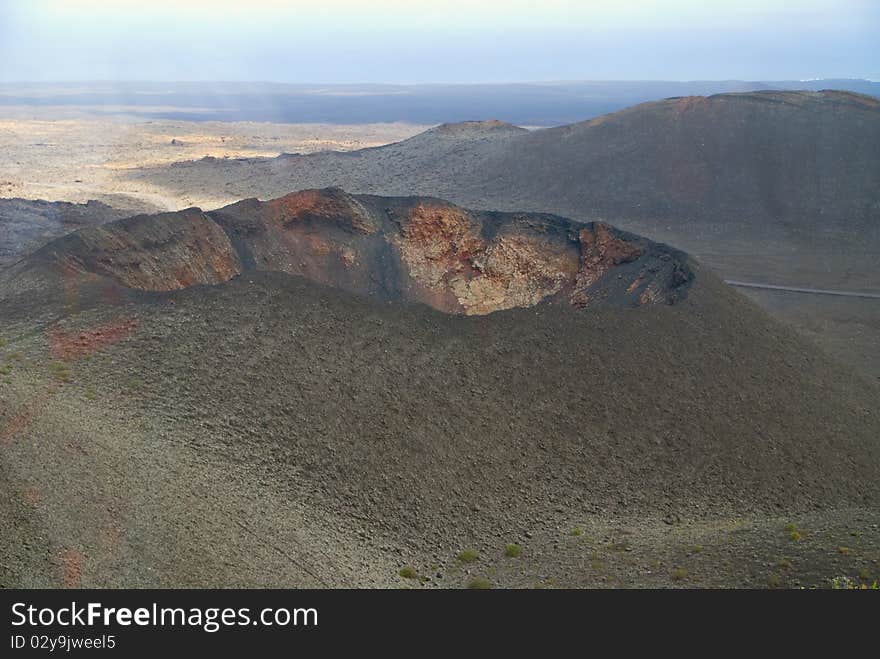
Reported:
(77, 159)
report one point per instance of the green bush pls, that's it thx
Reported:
(513, 550)
(479, 583)
(468, 556)
(408, 572)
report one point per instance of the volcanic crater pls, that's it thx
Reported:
(410, 249)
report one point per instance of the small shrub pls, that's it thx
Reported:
(864, 574)
(577, 531)
(697, 549)
(468, 556)
(408, 572)
(795, 536)
(845, 551)
(479, 583)
(774, 581)
(679, 573)
(842, 583)
(791, 528)
(785, 564)
(513, 550)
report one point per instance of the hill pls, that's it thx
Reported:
(27, 225)
(290, 413)
(776, 187)
(396, 249)
(784, 173)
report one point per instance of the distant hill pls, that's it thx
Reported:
(798, 161)
(796, 167)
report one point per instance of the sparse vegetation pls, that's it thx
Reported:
(864, 574)
(577, 531)
(795, 536)
(468, 556)
(408, 572)
(479, 583)
(791, 527)
(679, 574)
(774, 580)
(60, 371)
(845, 551)
(513, 550)
(847, 583)
(785, 564)
(842, 583)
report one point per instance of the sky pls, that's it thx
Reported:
(425, 41)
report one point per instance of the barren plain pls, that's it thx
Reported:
(65, 155)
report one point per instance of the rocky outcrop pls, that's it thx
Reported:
(26, 225)
(161, 252)
(409, 249)
(453, 267)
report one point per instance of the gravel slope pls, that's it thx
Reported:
(273, 431)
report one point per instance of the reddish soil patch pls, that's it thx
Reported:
(68, 346)
(322, 205)
(31, 496)
(71, 562)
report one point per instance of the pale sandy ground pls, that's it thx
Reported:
(80, 158)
